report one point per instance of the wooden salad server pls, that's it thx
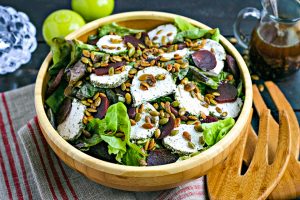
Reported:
(225, 180)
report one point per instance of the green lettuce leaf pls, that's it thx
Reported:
(115, 28)
(132, 157)
(57, 97)
(116, 120)
(60, 54)
(189, 31)
(215, 131)
(86, 91)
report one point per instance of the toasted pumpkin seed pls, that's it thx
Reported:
(160, 77)
(138, 35)
(86, 133)
(255, 77)
(87, 113)
(174, 132)
(138, 117)
(177, 122)
(132, 122)
(198, 127)
(123, 87)
(144, 77)
(147, 119)
(202, 114)
(128, 98)
(132, 71)
(84, 102)
(224, 114)
(261, 87)
(181, 111)
(191, 145)
(97, 101)
(192, 117)
(156, 106)
(164, 40)
(163, 121)
(157, 133)
(131, 52)
(147, 125)
(111, 71)
(201, 140)
(175, 104)
(85, 60)
(147, 145)
(154, 113)
(141, 108)
(216, 94)
(184, 81)
(151, 144)
(189, 87)
(163, 59)
(91, 110)
(86, 53)
(218, 109)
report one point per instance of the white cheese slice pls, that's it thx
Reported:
(232, 108)
(137, 131)
(179, 144)
(218, 51)
(190, 104)
(167, 30)
(107, 81)
(183, 53)
(72, 127)
(161, 88)
(105, 42)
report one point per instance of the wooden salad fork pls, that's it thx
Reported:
(225, 180)
(289, 185)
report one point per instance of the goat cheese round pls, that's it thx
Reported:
(107, 81)
(137, 131)
(160, 89)
(232, 108)
(170, 55)
(179, 144)
(167, 31)
(72, 127)
(218, 51)
(112, 44)
(190, 104)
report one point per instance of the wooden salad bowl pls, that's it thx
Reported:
(141, 178)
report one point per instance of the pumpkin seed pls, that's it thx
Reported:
(174, 132)
(255, 77)
(202, 114)
(163, 121)
(123, 87)
(84, 102)
(148, 119)
(147, 145)
(154, 113)
(128, 98)
(191, 145)
(132, 122)
(175, 104)
(184, 81)
(192, 117)
(97, 101)
(177, 122)
(131, 52)
(91, 110)
(189, 87)
(201, 140)
(216, 94)
(144, 77)
(138, 35)
(163, 59)
(133, 71)
(198, 127)
(138, 117)
(85, 60)
(147, 125)
(151, 144)
(224, 114)
(181, 111)
(186, 135)
(111, 71)
(218, 109)
(157, 133)
(87, 113)
(141, 108)
(86, 53)
(156, 106)
(160, 77)
(261, 87)
(164, 40)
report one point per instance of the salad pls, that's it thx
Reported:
(144, 97)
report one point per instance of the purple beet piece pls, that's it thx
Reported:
(204, 60)
(104, 70)
(161, 157)
(52, 87)
(181, 46)
(102, 109)
(77, 72)
(131, 39)
(174, 111)
(232, 66)
(131, 112)
(209, 119)
(64, 110)
(167, 128)
(228, 93)
(101, 151)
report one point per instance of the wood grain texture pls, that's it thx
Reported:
(225, 180)
(142, 178)
(289, 185)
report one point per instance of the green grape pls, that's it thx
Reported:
(93, 9)
(60, 23)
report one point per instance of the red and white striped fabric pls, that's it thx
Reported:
(30, 169)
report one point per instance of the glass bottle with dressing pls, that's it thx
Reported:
(274, 47)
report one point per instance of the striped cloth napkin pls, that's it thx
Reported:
(30, 170)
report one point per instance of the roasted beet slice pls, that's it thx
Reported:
(209, 119)
(204, 60)
(131, 112)
(161, 157)
(131, 39)
(167, 128)
(228, 93)
(101, 151)
(232, 66)
(104, 70)
(102, 109)
(52, 87)
(64, 110)
(181, 46)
